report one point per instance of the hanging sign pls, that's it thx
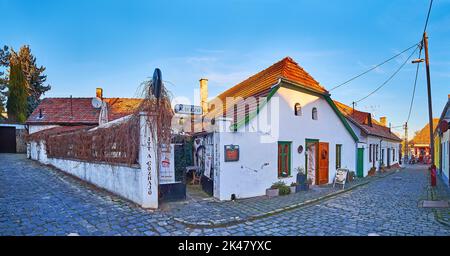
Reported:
(231, 153)
(188, 109)
(167, 165)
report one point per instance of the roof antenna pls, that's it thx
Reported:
(71, 109)
(353, 104)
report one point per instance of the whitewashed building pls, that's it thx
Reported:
(266, 127)
(378, 146)
(442, 145)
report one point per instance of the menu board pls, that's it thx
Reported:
(167, 165)
(231, 153)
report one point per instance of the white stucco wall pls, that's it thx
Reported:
(138, 183)
(249, 176)
(37, 128)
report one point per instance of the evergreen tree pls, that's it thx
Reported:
(34, 77)
(4, 63)
(17, 91)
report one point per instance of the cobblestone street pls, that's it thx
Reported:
(38, 200)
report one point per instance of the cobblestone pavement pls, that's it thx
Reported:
(37, 200)
(441, 192)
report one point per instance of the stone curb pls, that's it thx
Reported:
(219, 224)
(437, 216)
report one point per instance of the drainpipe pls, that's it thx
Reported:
(380, 161)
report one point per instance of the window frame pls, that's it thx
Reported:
(298, 112)
(338, 156)
(315, 113)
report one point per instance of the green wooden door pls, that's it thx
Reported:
(360, 163)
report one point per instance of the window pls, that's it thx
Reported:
(314, 114)
(284, 159)
(393, 154)
(376, 153)
(338, 156)
(298, 109)
(370, 153)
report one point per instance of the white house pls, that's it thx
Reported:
(264, 128)
(378, 146)
(442, 135)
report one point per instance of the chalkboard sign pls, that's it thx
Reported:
(341, 177)
(231, 153)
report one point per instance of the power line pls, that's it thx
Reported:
(414, 88)
(390, 78)
(417, 69)
(375, 67)
(428, 16)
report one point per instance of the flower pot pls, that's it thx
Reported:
(301, 178)
(272, 192)
(293, 189)
(303, 187)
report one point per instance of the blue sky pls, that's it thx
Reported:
(117, 44)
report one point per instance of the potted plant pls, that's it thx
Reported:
(278, 188)
(372, 171)
(351, 176)
(293, 187)
(302, 182)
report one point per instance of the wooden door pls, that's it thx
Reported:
(323, 162)
(360, 163)
(7, 140)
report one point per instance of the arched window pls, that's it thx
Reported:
(298, 109)
(314, 114)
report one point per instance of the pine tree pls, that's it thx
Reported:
(34, 77)
(17, 91)
(4, 63)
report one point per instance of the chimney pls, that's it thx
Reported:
(383, 120)
(204, 94)
(99, 93)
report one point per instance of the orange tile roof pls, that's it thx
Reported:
(259, 85)
(423, 136)
(365, 122)
(72, 111)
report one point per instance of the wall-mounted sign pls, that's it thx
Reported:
(167, 165)
(231, 153)
(300, 149)
(188, 109)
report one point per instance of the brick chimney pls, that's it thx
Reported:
(383, 120)
(204, 94)
(99, 93)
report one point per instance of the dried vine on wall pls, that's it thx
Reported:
(118, 143)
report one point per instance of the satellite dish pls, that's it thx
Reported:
(157, 83)
(96, 102)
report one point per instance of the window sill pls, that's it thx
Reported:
(284, 177)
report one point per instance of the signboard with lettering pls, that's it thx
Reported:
(341, 177)
(231, 153)
(188, 109)
(167, 165)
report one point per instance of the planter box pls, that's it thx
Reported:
(272, 192)
(302, 187)
(293, 189)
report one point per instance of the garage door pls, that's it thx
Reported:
(7, 140)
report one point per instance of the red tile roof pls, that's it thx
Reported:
(365, 122)
(73, 111)
(423, 136)
(58, 130)
(260, 84)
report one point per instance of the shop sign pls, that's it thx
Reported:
(231, 153)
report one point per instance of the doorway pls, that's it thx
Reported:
(317, 162)
(8, 140)
(360, 163)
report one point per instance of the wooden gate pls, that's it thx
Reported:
(8, 140)
(323, 156)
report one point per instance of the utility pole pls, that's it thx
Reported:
(430, 111)
(405, 149)
(430, 106)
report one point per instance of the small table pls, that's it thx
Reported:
(195, 177)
